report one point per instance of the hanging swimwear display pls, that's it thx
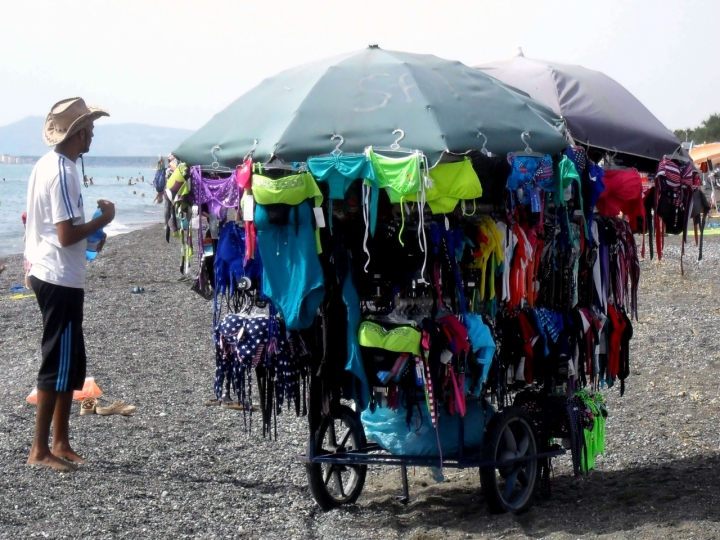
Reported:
(676, 183)
(431, 290)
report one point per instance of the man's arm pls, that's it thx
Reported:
(70, 234)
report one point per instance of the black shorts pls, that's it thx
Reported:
(63, 345)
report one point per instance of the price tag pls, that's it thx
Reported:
(319, 217)
(419, 376)
(195, 218)
(248, 206)
(208, 248)
(534, 200)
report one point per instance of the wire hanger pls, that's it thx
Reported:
(215, 165)
(337, 152)
(395, 147)
(484, 150)
(677, 156)
(529, 151)
(609, 163)
(250, 154)
(276, 163)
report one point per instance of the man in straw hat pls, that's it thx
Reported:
(56, 238)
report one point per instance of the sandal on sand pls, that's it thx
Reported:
(212, 402)
(118, 407)
(234, 405)
(88, 406)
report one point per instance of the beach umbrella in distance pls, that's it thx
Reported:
(706, 152)
(440, 105)
(599, 112)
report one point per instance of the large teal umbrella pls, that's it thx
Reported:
(440, 105)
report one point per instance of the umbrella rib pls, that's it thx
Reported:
(432, 112)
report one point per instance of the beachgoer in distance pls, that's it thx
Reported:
(159, 169)
(55, 247)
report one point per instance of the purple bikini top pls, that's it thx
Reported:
(216, 193)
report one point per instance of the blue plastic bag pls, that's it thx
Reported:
(388, 429)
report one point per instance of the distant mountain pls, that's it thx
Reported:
(24, 138)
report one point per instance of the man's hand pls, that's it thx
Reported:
(69, 234)
(108, 209)
(102, 242)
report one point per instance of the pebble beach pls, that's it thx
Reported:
(180, 469)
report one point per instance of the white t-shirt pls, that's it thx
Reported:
(54, 195)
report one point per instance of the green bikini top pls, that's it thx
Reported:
(401, 339)
(292, 189)
(401, 176)
(452, 182)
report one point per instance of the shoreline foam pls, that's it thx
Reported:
(112, 230)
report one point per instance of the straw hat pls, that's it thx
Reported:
(67, 117)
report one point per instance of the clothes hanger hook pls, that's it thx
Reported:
(342, 141)
(215, 164)
(524, 134)
(484, 149)
(396, 144)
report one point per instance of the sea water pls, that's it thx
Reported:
(132, 210)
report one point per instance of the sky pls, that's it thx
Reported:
(176, 63)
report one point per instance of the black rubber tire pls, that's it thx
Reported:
(343, 476)
(508, 431)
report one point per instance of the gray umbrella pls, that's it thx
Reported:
(440, 105)
(598, 110)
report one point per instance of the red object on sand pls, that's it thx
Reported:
(90, 389)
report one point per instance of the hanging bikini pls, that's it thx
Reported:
(288, 244)
(340, 171)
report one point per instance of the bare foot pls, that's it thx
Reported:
(68, 454)
(52, 462)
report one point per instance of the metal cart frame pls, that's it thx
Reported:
(508, 462)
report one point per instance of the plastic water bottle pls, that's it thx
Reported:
(94, 240)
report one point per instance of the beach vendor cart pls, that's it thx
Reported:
(405, 249)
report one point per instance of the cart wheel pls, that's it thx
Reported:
(509, 488)
(333, 485)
